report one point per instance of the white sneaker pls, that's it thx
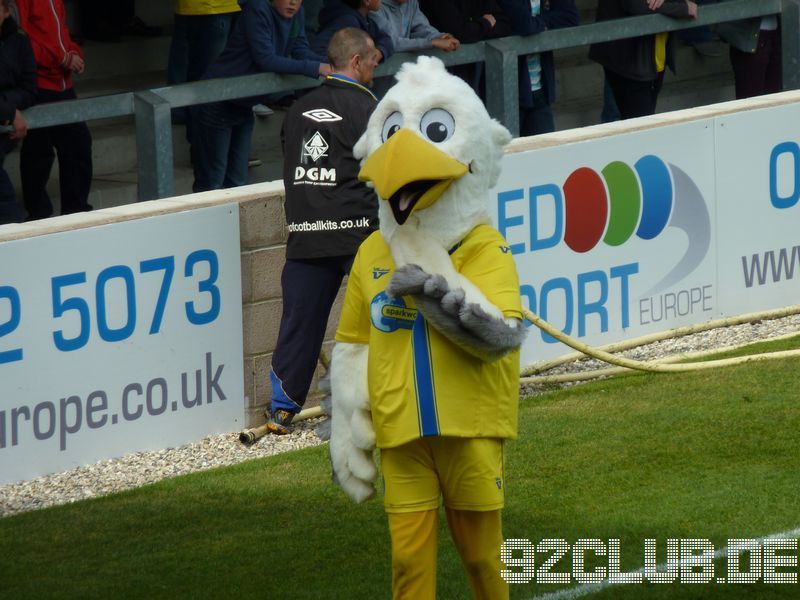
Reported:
(262, 110)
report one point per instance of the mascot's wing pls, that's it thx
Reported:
(352, 435)
(448, 300)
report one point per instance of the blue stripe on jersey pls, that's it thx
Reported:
(423, 378)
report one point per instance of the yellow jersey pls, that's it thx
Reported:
(420, 383)
(206, 7)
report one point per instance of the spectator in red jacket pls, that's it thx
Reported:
(57, 58)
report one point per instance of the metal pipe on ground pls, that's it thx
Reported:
(250, 436)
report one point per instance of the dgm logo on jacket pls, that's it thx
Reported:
(314, 148)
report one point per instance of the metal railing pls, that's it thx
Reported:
(152, 108)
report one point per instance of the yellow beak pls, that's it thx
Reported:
(404, 159)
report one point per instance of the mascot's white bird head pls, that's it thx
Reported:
(432, 153)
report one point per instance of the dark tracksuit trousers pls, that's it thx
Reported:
(309, 290)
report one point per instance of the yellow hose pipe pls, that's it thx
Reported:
(662, 366)
(663, 335)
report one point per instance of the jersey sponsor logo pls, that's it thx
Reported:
(322, 115)
(378, 272)
(316, 147)
(505, 249)
(390, 314)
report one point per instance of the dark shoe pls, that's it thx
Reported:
(279, 421)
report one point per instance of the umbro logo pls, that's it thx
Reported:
(377, 272)
(322, 115)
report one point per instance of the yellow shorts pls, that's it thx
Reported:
(466, 472)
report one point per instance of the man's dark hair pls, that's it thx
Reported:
(346, 43)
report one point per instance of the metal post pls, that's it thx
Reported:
(153, 146)
(502, 84)
(790, 43)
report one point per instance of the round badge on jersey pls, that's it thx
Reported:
(390, 314)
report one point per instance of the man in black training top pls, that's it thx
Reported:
(328, 212)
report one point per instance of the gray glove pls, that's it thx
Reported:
(464, 323)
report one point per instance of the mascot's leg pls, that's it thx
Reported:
(471, 474)
(478, 536)
(414, 548)
(412, 500)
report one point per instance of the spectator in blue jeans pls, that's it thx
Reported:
(267, 37)
(201, 32)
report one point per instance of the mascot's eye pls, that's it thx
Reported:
(437, 125)
(390, 126)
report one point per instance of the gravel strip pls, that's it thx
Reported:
(143, 468)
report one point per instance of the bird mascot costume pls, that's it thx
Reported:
(426, 364)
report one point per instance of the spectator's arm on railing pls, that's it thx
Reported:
(20, 126)
(421, 28)
(679, 9)
(420, 36)
(447, 15)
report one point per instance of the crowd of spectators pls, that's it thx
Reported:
(230, 38)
